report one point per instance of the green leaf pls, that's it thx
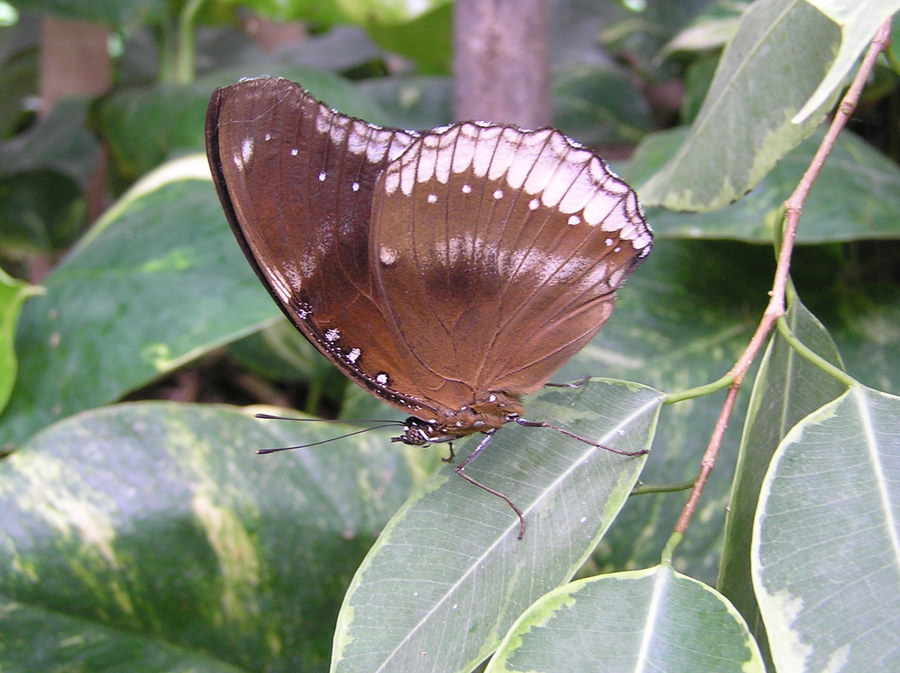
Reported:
(858, 21)
(826, 557)
(157, 282)
(448, 577)
(709, 30)
(320, 12)
(156, 523)
(426, 38)
(779, 55)
(105, 11)
(146, 126)
(856, 196)
(654, 619)
(786, 389)
(59, 142)
(390, 11)
(677, 325)
(600, 106)
(35, 639)
(13, 294)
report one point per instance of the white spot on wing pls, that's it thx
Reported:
(381, 379)
(353, 355)
(322, 176)
(465, 148)
(246, 150)
(387, 255)
(332, 335)
(432, 198)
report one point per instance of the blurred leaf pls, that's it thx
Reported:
(743, 128)
(413, 102)
(391, 12)
(59, 142)
(18, 80)
(44, 173)
(13, 294)
(448, 576)
(826, 559)
(103, 11)
(600, 106)
(426, 38)
(654, 619)
(858, 22)
(787, 388)
(41, 212)
(319, 12)
(51, 641)
(155, 523)
(281, 353)
(144, 127)
(159, 281)
(856, 196)
(710, 30)
(697, 79)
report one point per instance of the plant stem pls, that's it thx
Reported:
(776, 308)
(185, 55)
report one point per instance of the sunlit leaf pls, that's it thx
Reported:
(826, 557)
(448, 576)
(780, 53)
(645, 620)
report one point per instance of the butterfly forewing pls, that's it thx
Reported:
(497, 253)
(296, 180)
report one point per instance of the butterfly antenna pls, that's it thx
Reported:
(381, 424)
(569, 433)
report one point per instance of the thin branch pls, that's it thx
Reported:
(776, 307)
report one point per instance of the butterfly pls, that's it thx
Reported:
(448, 272)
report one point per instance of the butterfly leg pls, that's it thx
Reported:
(472, 456)
(570, 384)
(452, 456)
(568, 433)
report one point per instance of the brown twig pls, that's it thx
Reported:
(776, 307)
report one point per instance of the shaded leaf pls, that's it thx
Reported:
(105, 11)
(425, 37)
(50, 641)
(600, 106)
(654, 619)
(448, 577)
(146, 126)
(826, 558)
(856, 196)
(157, 282)
(779, 55)
(156, 521)
(13, 294)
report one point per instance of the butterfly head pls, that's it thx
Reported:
(485, 414)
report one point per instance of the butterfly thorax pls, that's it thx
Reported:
(489, 412)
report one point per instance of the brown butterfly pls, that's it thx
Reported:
(448, 272)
